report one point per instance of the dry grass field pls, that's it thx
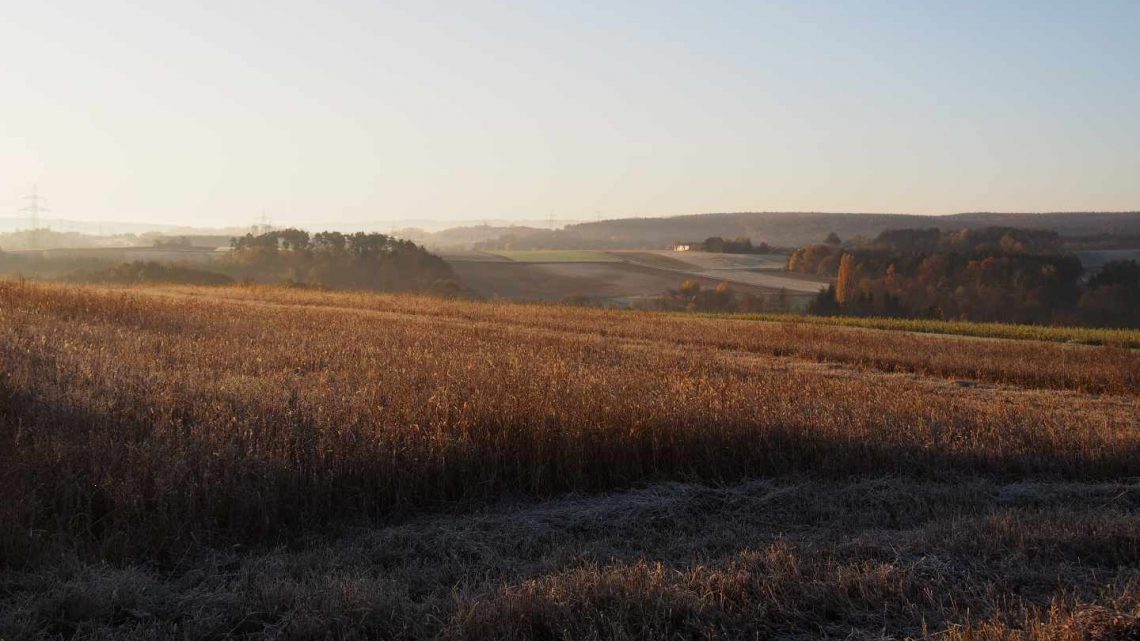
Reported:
(208, 463)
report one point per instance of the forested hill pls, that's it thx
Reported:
(793, 229)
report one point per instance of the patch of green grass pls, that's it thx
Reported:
(558, 256)
(1085, 335)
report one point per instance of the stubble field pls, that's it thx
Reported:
(270, 463)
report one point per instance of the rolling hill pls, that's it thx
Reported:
(792, 229)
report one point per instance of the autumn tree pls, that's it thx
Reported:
(845, 282)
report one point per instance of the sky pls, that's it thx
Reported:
(209, 113)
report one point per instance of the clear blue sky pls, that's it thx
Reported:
(209, 112)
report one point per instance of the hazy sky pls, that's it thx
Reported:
(208, 112)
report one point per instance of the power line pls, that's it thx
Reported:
(34, 210)
(264, 224)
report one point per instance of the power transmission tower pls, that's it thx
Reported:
(263, 224)
(34, 210)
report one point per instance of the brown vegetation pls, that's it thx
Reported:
(1026, 363)
(864, 559)
(145, 424)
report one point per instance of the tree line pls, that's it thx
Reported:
(738, 245)
(360, 261)
(994, 274)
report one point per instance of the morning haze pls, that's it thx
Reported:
(358, 320)
(206, 113)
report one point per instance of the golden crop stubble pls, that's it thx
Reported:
(135, 413)
(1047, 365)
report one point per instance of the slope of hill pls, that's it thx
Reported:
(625, 277)
(791, 229)
(465, 237)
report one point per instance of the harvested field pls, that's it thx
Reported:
(704, 261)
(465, 256)
(655, 259)
(553, 281)
(557, 256)
(200, 255)
(270, 463)
(757, 270)
(553, 275)
(1027, 363)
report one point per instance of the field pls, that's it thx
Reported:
(1129, 338)
(127, 254)
(764, 271)
(544, 275)
(554, 281)
(557, 256)
(271, 463)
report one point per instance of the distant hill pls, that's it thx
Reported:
(793, 229)
(459, 238)
(113, 227)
